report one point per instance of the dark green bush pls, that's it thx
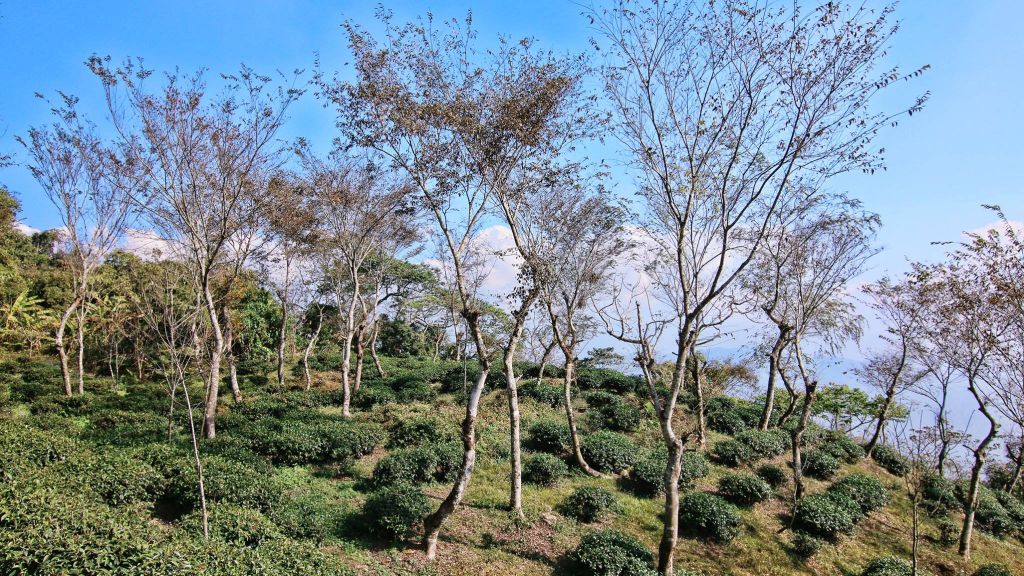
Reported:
(233, 524)
(548, 394)
(395, 511)
(694, 467)
(764, 444)
(826, 515)
(406, 466)
(842, 447)
(938, 493)
(774, 475)
(449, 461)
(551, 436)
(608, 380)
(610, 553)
(419, 432)
(709, 516)
(609, 451)
(991, 516)
(992, 570)
(806, 545)
(543, 469)
(888, 458)
(867, 491)
(23, 447)
(820, 464)
(888, 566)
(731, 453)
(646, 478)
(225, 481)
(949, 531)
(372, 395)
(414, 390)
(307, 514)
(744, 489)
(622, 416)
(7, 381)
(588, 504)
(115, 477)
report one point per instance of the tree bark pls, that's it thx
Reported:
(697, 374)
(309, 349)
(360, 356)
(281, 342)
(373, 350)
(570, 415)
(58, 341)
(229, 337)
(213, 382)
(81, 350)
(798, 436)
(890, 395)
(346, 353)
(980, 457)
(773, 367)
(511, 347)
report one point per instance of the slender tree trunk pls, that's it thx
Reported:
(773, 367)
(360, 356)
(890, 395)
(980, 457)
(229, 336)
(670, 529)
(309, 349)
(791, 406)
(58, 341)
(1018, 463)
(697, 374)
(544, 361)
(213, 378)
(916, 535)
(198, 462)
(346, 353)
(432, 523)
(511, 347)
(798, 436)
(570, 415)
(81, 350)
(281, 342)
(373, 350)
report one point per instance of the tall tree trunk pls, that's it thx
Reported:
(570, 414)
(697, 374)
(1018, 463)
(81, 350)
(217, 350)
(360, 356)
(281, 342)
(58, 341)
(791, 406)
(346, 353)
(798, 436)
(773, 367)
(544, 361)
(195, 455)
(229, 337)
(883, 411)
(915, 534)
(980, 457)
(373, 350)
(432, 523)
(309, 349)
(511, 347)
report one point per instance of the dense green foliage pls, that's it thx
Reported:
(588, 504)
(709, 516)
(611, 553)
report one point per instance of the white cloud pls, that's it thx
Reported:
(146, 244)
(26, 229)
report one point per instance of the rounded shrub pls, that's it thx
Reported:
(806, 545)
(548, 394)
(992, 570)
(867, 491)
(774, 475)
(888, 458)
(611, 553)
(395, 511)
(621, 416)
(551, 436)
(233, 524)
(938, 492)
(820, 464)
(307, 515)
(842, 447)
(115, 476)
(588, 504)
(694, 466)
(544, 469)
(991, 515)
(826, 515)
(406, 466)
(374, 395)
(607, 380)
(888, 566)
(731, 453)
(418, 432)
(646, 478)
(764, 443)
(744, 489)
(709, 516)
(949, 531)
(609, 451)
(415, 391)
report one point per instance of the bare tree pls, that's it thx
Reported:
(724, 107)
(91, 185)
(891, 369)
(921, 446)
(208, 160)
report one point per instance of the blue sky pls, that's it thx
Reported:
(962, 151)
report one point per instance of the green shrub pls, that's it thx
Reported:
(551, 436)
(731, 453)
(774, 475)
(646, 478)
(548, 394)
(23, 447)
(406, 466)
(415, 391)
(991, 515)
(588, 504)
(233, 524)
(820, 464)
(372, 395)
(622, 416)
(890, 459)
(888, 566)
(992, 570)
(307, 514)
(395, 511)
(419, 432)
(543, 469)
(114, 476)
(744, 489)
(610, 553)
(842, 447)
(225, 481)
(764, 444)
(709, 516)
(608, 380)
(867, 491)
(7, 381)
(806, 545)
(826, 515)
(609, 451)
(694, 466)
(938, 492)
(449, 461)
(949, 531)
